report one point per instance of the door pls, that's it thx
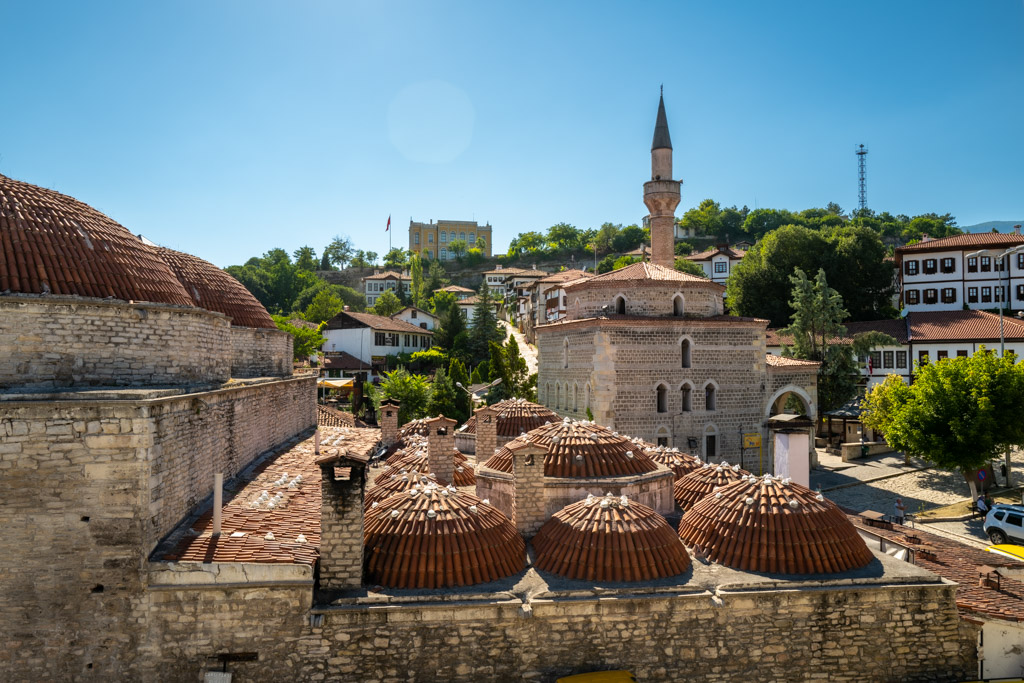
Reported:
(710, 447)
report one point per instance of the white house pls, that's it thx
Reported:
(468, 308)
(718, 262)
(417, 317)
(381, 281)
(546, 301)
(938, 275)
(371, 338)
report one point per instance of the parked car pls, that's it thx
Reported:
(1004, 523)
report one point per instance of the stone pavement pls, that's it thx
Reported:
(529, 352)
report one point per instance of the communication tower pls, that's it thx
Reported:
(862, 175)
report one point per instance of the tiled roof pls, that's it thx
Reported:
(254, 531)
(699, 483)
(413, 308)
(417, 460)
(388, 274)
(416, 427)
(977, 240)
(781, 361)
(710, 253)
(961, 325)
(472, 301)
(681, 464)
(455, 289)
(958, 562)
(643, 272)
(439, 538)
(579, 449)
(215, 290)
(53, 244)
(609, 539)
(343, 360)
(774, 526)
(331, 417)
(565, 276)
(395, 483)
(515, 416)
(377, 322)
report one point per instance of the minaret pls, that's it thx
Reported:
(661, 193)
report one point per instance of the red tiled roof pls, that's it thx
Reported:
(768, 525)
(566, 276)
(643, 272)
(515, 416)
(377, 322)
(781, 361)
(958, 562)
(415, 458)
(416, 427)
(698, 484)
(579, 449)
(395, 483)
(388, 274)
(330, 417)
(681, 464)
(215, 290)
(439, 538)
(54, 244)
(455, 289)
(710, 253)
(961, 325)
(977, 240)
(472, 300)
(609, 539)
(343, 360)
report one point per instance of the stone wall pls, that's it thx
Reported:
(653, 298)
(48, 341)
(341, 528)
(257, 352)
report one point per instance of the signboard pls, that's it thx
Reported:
(752, 440)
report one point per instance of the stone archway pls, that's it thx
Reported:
(775, 405)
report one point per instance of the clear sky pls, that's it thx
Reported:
(227, 128)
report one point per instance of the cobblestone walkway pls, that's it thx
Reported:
(529, 352)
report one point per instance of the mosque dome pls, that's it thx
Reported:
(609, 538)
(775, 526)
(515, 416)
(53, 244)
(438, 538)
(696, 485)
(215, 290)
(400, 482)
(580, 449)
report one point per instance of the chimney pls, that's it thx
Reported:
(341, 522)
(218, 500)
(486, 432)
(1016, 230)
(347, 309)
(441, 448)
(530, 506)
(389, 422)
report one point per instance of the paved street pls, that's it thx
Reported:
(529, 352)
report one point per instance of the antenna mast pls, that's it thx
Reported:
(862, 175)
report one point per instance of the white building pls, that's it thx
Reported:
(718, 262)
(468, 308)
(371, 338)
(545, 300)
(417, 317)
(938, 275)
(382, 281)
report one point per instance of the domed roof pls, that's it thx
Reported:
(384, 486)
(216, 290)
(774, 526)
(681, 464)
(438, 538)
(695, 485)
(53, 244)
(609, 539)
(579, 449)
(515, 416)
(418, 427)
(418, 461)
(406, 447)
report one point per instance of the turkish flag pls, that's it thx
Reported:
(389, 224)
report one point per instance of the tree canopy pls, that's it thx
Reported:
(387, 304)
(305, 341)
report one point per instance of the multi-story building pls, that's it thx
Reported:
(718, 262)
(382, 281)
(939, 275)
(545, 301)
(372, 338)
(431, 240)
(507, 284)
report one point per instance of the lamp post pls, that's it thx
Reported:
(1005, 294)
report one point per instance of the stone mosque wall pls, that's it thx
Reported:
(53, 342)
(651, 298)
(260, 352)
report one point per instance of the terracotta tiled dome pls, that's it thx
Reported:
(53, 244)
(695, 485)
(417, 427)
(464, 473)
(515, 416)
(609, 539)
(681, 464)
(770, 525)
(216, 290)
(580, 449)
(406, 447)
(384, 486)
(438, 538)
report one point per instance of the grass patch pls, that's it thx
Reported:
(963, 507)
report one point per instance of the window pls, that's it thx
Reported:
(986, 295)
(949, 295)
(722, 267)
(662, 399)
(452, 236)
(430, 254)
(565, 354)
(423, 326)
(901, 359)
(876, 360)
(931, 296)
(413, 313)
(709, 397)
(972, 264)
(922, 358)
(1020, 261)
(962, 353)
(663, 441)
(1015, 520)
(972, 295)
(430, 238)
(378, 339)
(677, 305)
(913, 296)
(443, 237)
(444, 254)
(986, 264)
(416, 238)
(948, 265)
(710, 447)
(910, 267)
(687, 396)
(1020, 292)
(620, 305)
(887, 360)
(998, 291)
(462, 236)
(472, 238)
(942, 355)
(685, 352)
(1000, 263)
(929, 266)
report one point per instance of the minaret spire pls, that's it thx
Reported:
(661, 193)
(662, 140)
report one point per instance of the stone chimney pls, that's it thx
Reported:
(389, 422)
(486, 432)
(530, 509)
(1016, 230)
(341, 523)
(441, 448)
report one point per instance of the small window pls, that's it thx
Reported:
(1000, 264)
(677, 305)
(931, 296)
(443, 237)
(710, 399)
(414, 313)
(876, 360)
(1015, 520)
(1020, 261)
(901, 359)
(1000, 515)
(430, 238)
(929, 266)
(910, 267)
(986, 295)
(662, 399)
(462, 236)
(972, 264)
(710, 447)
(687, 396)
(922, 358)
(887, 360)
(663, 441)
(472, 238)
(942, 355)
(962, 353)
(986, 264)
(913, 296)
(948, 295)
(620, 305)
(416, 238)
(998, 293)
(685, 352)
(948, 265)
(972, 295)
(722, 267)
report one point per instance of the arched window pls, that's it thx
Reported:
(677, 305)
(444, 236)
(575, 397)
(565, 353)
(620, 304)
(687, 396)
(685, 353)
(586, 398)
(663, 436)
(444, 254)
(558, 395)
(662, 401)
(710, 397)
(462, 236)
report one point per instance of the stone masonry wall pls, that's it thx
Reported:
(886, 633)
(75, 342)
(646, 298)
(257, 352)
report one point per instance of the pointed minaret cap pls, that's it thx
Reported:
(661, 136)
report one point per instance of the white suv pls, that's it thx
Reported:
(1005, 523)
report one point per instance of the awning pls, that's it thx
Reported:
(334, 383)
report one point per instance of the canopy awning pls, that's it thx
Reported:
(334, 383)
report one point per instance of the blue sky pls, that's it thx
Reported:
(227, 128)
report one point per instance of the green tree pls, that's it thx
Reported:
(623, 261)
(605, 237)
(396, 259)
(411, 391)
(607, 264)
(703, 220)
(325, 263)
(339, 251)
(441, 302)
(451, 324)
(508, 365)
(629, 238)
(481, 244)
(349, 297)
(436, 277)
(565, 238)
(444, 397)
(416, 271)
(305, 259)
(685, 266)
(527, 243)
(458, 247)
(360, 259)
(485, 328)
(474, 257)
(324, 306)
(683, 248)
(457, 373)
(387, 304)
(760, 222)
(305, 341)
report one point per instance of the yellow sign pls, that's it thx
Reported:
(752, 440)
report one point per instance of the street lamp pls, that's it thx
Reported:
(472, 396)
(1005, 294)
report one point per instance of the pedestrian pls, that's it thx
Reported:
(982, 505)
(900, 511)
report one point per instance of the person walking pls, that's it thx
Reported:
(900, 512)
